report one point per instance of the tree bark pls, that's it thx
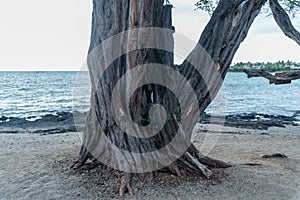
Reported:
(283, 21)
(221, 38)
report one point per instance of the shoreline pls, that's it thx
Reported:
(64, 122)
(36, 166)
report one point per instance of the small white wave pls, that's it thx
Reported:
(32, 119)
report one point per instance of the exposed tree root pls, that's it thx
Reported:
(213, 163)
(84, 156)
(192, 163)
(125, 184)
(209, 162)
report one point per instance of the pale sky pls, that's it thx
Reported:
(54, 34)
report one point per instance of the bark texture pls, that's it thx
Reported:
(221, 38)
(283, 21)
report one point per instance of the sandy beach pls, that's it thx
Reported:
(36, 166)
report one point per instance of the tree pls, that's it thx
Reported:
(227, 28)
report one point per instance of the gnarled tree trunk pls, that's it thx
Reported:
(221, 38)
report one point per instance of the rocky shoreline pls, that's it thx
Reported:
(251, 120)
(64, 122)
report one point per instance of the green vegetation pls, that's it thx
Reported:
(291, 6)
(270, 67)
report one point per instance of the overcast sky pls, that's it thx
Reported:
(54, 34)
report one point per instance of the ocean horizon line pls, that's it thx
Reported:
(44, 71)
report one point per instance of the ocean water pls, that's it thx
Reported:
(35, 94)
(242, 95)
(32, 95)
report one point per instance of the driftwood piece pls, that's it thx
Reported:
(277, 79)
(276, 155)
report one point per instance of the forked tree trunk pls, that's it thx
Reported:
(221, 38)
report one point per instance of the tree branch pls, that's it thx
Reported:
(277, 79)
(283, 21)
(221, 38)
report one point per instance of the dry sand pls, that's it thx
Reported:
(35, 166)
